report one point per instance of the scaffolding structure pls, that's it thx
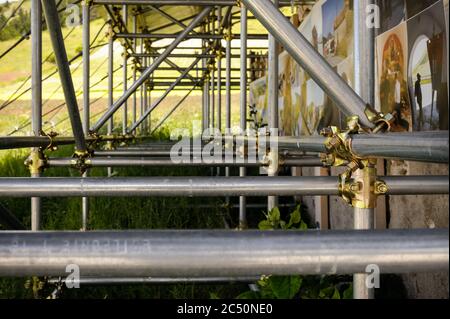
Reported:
(215, 256)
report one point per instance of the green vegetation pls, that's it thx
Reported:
(17, 26)
(15, 70)
(293, 287)
(158, 213)
(116, 213)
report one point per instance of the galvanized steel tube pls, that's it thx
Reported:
(168, 162)
(94, 281)
(205, 186)
(222, 253)
(243, 107)
(59, 49)
(36, 96)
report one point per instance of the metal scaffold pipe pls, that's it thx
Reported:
(59, 49)
(413, 146)
(167, 153)
(189, 2)
(206, 186)
(86, 40)
(420, 146)
(364, 57)
(11, 142)
(168, 162)
(272, 106)
(203, 36)
(243, 106)
(36, 98)
(205, 253)
(158, 280)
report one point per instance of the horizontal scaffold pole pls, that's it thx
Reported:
(203, 253)
(413, 146)
(416, 146)
(195, 152)
(191, 36)
(168, 162)
(11, 142)
(205, 186)
(190, 2)
(92, 281)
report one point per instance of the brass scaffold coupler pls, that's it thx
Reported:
(383, 122)
(227, 35)
(358, 185)
(362, 188)
(36, 162)
(81, 160)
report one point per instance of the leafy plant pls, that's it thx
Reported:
(292, 287)
(273, 220)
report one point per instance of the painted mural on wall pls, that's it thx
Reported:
(411, 77)
(427, 68)
(258, 99)
(285, 94)
(392, 13)
(337, 20)
(310, 101)
(392, 76)
(304, 109)
(329, 28)
(338, 51)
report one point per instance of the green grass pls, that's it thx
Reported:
(16, 66)
(117, 213)
(123, 213)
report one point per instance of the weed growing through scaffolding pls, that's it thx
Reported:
(296, 287)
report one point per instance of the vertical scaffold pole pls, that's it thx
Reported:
(203, 86)
(143, 87)
(219, 77)
(110, 83)
(146, 98)
(125, 73)
(207, 85)
(364, 86)
(228, 93)
(36, 99)
(149, 102)
(243, 106)
(272, 86)
(212, 25)
(86, 98)
(134, 115)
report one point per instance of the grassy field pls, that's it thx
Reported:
(121, 213)
(150, 213)
(15, 81)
